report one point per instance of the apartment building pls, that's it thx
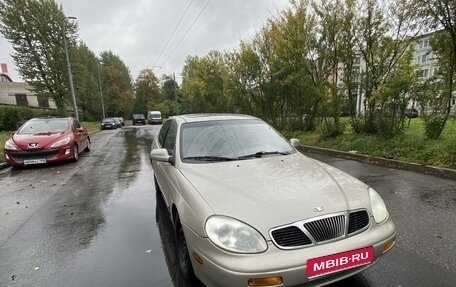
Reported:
(20, 94)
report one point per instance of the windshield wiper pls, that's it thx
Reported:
(262, 153)
(209, 158)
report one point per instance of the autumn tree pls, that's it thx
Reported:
(204, 82)
(147, 92)
(117, 85)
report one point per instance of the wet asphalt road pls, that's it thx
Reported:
(97, 222)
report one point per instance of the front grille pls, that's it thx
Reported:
(327, 228)
(40, 154)
(290, 236)
(357, 220)
(320, 230)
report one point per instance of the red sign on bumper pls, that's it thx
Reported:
(337, 262)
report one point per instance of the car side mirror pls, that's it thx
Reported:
(295, 143)
(160, 154)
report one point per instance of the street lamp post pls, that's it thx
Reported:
(101, 91)
(70, 75)
(175, 94)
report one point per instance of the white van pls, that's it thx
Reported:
(154, 117)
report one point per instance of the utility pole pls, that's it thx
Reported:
(70, 75)
(101, 90)
(175, 94)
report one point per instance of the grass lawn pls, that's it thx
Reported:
(412, 146)
(4, 136)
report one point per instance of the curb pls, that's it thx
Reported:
(426, 169)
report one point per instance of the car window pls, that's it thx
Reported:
(37, 126)
(170, 139)
(231, 139)
(162, 134)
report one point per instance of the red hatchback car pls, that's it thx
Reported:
(47, 140)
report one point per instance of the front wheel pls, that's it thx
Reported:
(183, 258)
(75, 152)
(87, 146)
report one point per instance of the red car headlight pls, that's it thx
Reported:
(61, 142)
(10, 145)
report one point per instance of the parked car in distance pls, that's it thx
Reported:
(154, 117)
(248, 209)
(118, 122)
(139, 119)
(47, 140)
(122, 121)
(108, 123)
(411, 113)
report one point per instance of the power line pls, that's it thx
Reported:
(186, 32)
(174, 31)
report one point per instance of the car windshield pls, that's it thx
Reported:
(44, 126)
(108, 120)
(230, 140)
(138, 116)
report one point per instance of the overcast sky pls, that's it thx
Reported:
(137, 30)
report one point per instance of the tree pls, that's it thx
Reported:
(204, 82)
(86, 84)
(441, 14)
(117, 86)
(170, 96)
(147, 92)
(382, 40)
(35, 28)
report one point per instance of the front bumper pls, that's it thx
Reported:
(224, 269)
(18, 158)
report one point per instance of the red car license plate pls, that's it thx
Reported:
(337, 262)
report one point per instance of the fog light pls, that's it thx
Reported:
(269, 281)
(67, 151)
(388, 245)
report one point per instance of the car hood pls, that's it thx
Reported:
(273, 191)
(43, 140)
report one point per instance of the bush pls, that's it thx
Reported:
(434, 126)
(331, 129)
(12, 117)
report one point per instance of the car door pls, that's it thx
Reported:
(165, 171)
(80, 135)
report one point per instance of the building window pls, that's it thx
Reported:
(424, 58)
(423, 43)
(43, 101)
(21, 100)
(424, 73)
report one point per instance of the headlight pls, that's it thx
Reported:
(61, 142)
(233, 235)
(379, 210)
(10, 145)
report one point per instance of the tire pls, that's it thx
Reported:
(87, 149)
(183, 258)
(75, 153)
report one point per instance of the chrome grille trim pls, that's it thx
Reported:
(326, 228)
(320, 230)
